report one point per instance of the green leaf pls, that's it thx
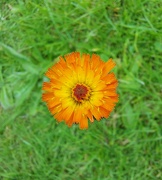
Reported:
(25, 62)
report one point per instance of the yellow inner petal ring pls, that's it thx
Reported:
(81, 92)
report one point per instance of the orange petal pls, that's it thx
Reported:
(112, 85)
(96, 113)
(109, 65)
(109, 78)
(70, 121)
(62, 62)
(67, 113)
(86, 59)
(95, 61)
(96, 98)
(46, 86)
(105, 113)
(97, 64)
(77, 116)
(51, 74)
(56, 109)
(90, 116)
(83, 124)
(58, 116)
(72, 57)
(110, 93)
(58, 69)
(56, 84)
(113, 99)
(47, 96)
(54, 102)
(108, 105)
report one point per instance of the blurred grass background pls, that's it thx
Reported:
(128, 145)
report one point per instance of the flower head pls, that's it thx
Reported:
(80, 88)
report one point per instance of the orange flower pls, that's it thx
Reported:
(80, 88)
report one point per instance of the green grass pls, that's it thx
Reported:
(127, 145)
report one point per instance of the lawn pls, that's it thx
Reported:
(127, 145)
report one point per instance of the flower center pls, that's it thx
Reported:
(80, 92)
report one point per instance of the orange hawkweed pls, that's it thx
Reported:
(80, 88)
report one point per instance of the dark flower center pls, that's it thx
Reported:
(80, 92)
